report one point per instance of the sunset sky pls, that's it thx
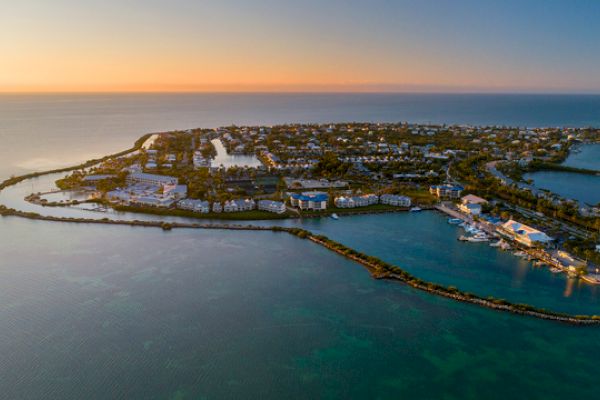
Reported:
(269, 45)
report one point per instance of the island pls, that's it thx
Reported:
(247, 173)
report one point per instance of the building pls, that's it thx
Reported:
(446, 191)
(175, 191)
(356, 201)
(272, 206)
(201, 206)
(151, 179)
(524, 234)
(309, 200)
(472, 199)
(152, 201)
(470, 208)
(471, 204)
(239, 205)
(395, 200)
(217, 207)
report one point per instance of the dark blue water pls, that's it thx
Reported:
(97, 312)
(107, 312)
(582, 187)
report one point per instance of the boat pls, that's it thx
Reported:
(454, 221)
(415, 209)
(496, 244)
(520, 254)
(555, 270)
(479, 237)
(463, 238)
(334, 216)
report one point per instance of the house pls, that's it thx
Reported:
(524, 234)
(309, 200)
(277, 207)
(217, 207)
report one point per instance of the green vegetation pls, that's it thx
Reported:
(242, 215)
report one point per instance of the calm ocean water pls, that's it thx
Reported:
(45, 131)
(585, 188)
(100, 312)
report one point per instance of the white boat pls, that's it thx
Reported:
(415, 209)
(335, 216)
(480, 237)
(454, 221)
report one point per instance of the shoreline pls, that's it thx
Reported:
(378, 269)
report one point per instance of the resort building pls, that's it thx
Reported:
(201, 206)
(272, 206)
(471, 204)
(356, 201)
(446, 191)
(395, 200)
(309, 200)
(239, 205)
(524, 234)
(152, 201)
(151, 179)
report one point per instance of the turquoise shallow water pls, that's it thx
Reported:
(135, 313)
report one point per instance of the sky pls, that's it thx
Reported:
(546, 46)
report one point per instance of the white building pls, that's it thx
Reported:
(524, 234)
(272, 206)
(309, 200)
(201, 206)
(239, 205)
(356, 201)
(395, 200)
(151, 179)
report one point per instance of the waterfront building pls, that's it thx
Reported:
(152, 201)
(470, 208)
(239, 205)
(395, 200)
(151, 179)
(277, 207)
(524, 234)
(309, 200)
(201, 206)
(356, 201)
(118, 196)
(471, 204)
(446, 191)
(217, 207)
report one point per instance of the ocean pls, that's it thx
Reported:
(100, 312)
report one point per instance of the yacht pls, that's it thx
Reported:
(454, 221)
(415, 209)
(334, 216)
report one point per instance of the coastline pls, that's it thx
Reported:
(378, 268)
